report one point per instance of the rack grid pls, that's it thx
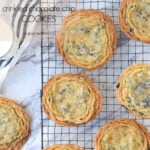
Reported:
(105, 78)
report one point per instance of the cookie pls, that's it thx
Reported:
(134, 19)
(71, 99)
(122, 134)
(87, 39)
(14, 125)
(64, 147)
(133, 90)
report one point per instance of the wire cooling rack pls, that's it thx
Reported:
(127, 53)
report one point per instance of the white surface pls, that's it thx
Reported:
(21, 79)
(6, 37)
(23, 84)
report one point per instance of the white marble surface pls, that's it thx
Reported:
(20, 80)
(23, 84)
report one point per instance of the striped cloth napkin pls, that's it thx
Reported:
(17, 12)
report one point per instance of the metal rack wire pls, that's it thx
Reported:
(127, 53)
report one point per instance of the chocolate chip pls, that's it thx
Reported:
(69, 122)
(130, 6)
(147, 100)
(48, 100)
(143, 104)
(131, 30)
(81, 49)
(66, 110)
(129, 100)
(142, 86)
(118, 85)
(85, 30)
(141, 113)
(147, 84)
(134, 109)
(64, 90)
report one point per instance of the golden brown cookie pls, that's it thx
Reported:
(64, 147)
(14, 125)
(122, 134)
(134, 19)
(133, 90)
(87, 39)
(71, 99)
